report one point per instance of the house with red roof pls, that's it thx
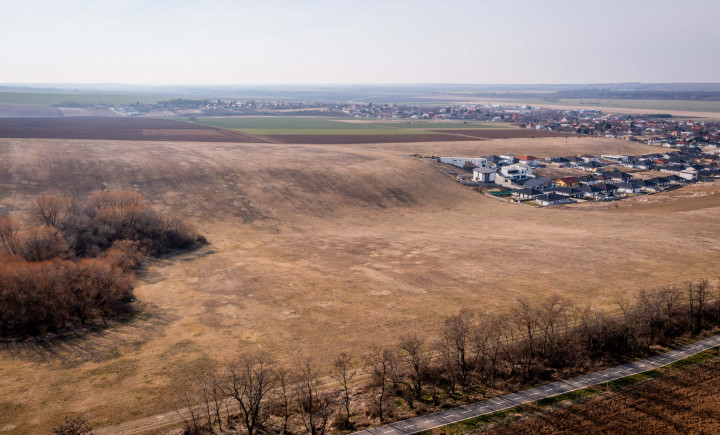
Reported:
(527, 160)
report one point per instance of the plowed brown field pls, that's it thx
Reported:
(118, 128)
(322, 139)
(683, 402)
(505, 133)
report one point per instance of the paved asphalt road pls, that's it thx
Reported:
(454, 415)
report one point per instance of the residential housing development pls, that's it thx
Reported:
(516, 177)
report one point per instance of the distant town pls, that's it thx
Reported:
(653, 129)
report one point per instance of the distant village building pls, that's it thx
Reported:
(516, 172)
(460, 162)
(527, 160)
(483, 175)
(552, 199)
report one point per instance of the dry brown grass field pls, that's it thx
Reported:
(318, 249)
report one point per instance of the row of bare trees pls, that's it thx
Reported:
(76, 262)
(474, 354)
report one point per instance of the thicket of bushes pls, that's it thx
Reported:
(474, 354)
(76, 263)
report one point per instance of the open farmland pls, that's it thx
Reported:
(360, 240)
(313, 125)
(677, 403)
(293, 130)
(117, 129)
(324, 130)
(58, 98)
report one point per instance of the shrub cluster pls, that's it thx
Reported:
(77, 263)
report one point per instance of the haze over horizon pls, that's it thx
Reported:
(340, 42)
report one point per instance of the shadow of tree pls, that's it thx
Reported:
(94, 343)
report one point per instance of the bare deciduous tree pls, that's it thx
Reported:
(525, 318)
(456, 333)
(413, 364)
(379, 364)
(487, 340)
(282, 398)
(343, 374)
(314, 405)
(551, 315)
(698, 295)
(250, 383)
(50, 210)
(9, 229)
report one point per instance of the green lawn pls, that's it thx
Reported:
(312, 125)
(46, 99)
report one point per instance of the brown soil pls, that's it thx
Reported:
(680, 402)
(368, 138)
(455, 135)
(18, 111)
(118, 128)
(502, 133)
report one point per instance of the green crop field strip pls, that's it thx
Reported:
(46, 99)
(306, 125)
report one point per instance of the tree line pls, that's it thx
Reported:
(474, 354)
(75, 262)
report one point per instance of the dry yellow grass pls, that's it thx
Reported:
(319, 249)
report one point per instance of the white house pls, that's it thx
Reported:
(527, 160)
(629, 188)
(551, 199)
(509, 158)
(688, 174)
(484, 175)
(617, 158)
(516, 172)
(460, 161)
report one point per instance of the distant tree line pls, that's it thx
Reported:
(635, 95)
(76, 262)
(474, 355)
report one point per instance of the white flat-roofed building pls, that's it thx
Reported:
(484, 175)
(461, 161)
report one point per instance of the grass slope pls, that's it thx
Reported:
(319, 249)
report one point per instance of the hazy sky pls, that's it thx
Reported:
(361, 41)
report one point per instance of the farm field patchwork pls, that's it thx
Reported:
(360, 240)
(299, 125)
(117, 128)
